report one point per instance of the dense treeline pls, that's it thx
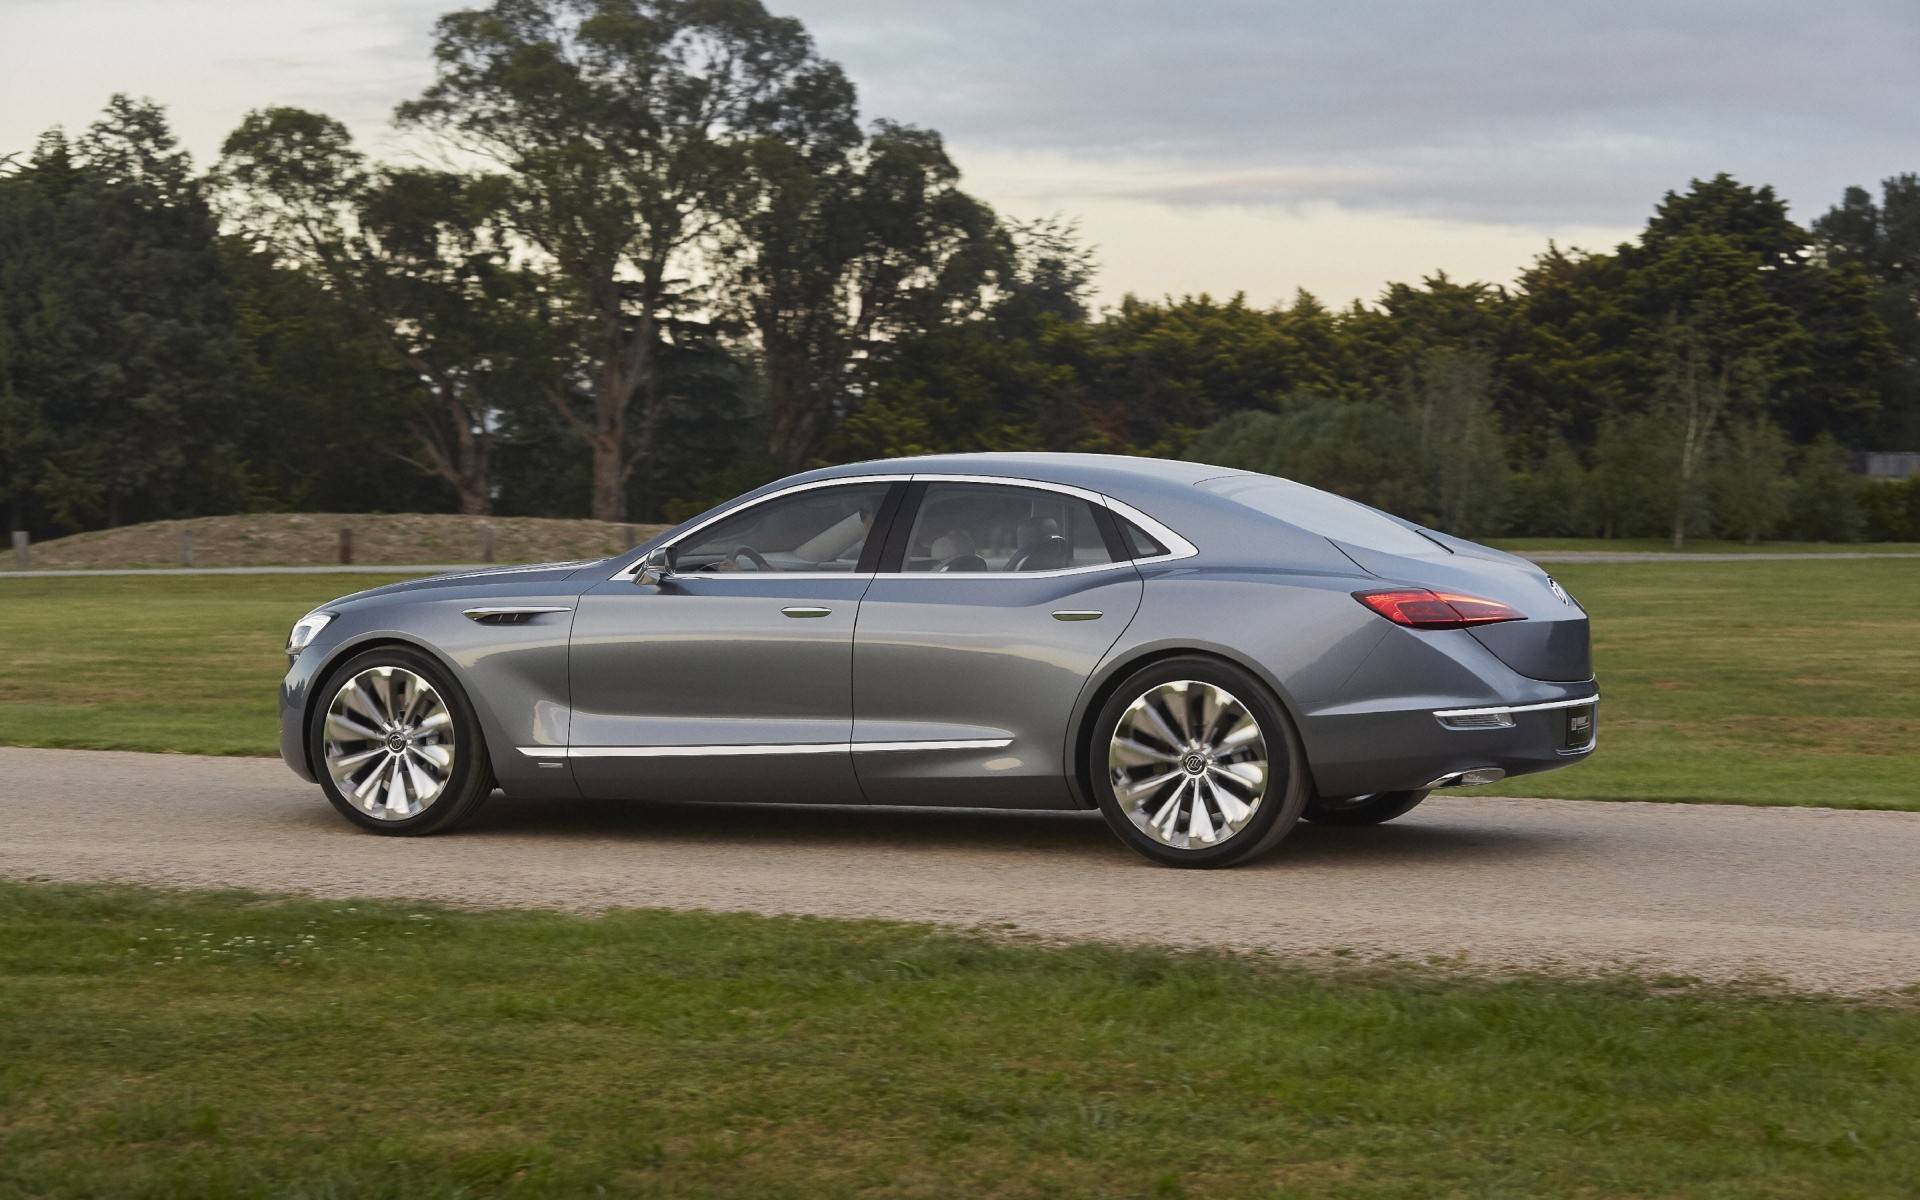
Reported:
(664, 259)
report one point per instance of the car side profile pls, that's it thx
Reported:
(1206, 655)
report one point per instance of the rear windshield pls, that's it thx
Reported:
(1320, 512)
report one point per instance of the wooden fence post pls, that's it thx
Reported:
(186, 547)
(346, 545)
(21, 561)
(486, 543)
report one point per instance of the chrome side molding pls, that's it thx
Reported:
(760, 748)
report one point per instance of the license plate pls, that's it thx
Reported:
(1580, 727)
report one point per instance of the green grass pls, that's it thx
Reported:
(1758, 683)
(1697, 546)
(155, 1045)
(1755, 682)
(185, 663)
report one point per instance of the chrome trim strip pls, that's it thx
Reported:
(1444, 713)
(759, 748)
(514, 610)
(806, 610)
(1177, 546)
(841, 481)
(1077, 614)
(959, 744)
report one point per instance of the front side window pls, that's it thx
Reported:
(821, 529)
(983, 527)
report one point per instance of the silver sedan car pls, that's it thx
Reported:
(1206, 655)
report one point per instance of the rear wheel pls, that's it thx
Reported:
(1195, 764)
(1362, 810)
(398, 747)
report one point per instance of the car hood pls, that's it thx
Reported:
(1551, 644)
(535, 574)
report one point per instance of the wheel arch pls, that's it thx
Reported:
(1111, 675)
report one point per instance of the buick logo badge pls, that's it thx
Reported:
(1560, 591)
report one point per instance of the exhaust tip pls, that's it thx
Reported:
(1471, 778)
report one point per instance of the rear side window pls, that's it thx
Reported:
(971, 528)
(1320, 512)
(1140, 543)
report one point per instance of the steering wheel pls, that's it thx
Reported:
(753, 556)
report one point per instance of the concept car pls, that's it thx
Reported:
(1206, 655)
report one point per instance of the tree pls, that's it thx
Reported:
(1881, 242)
(419, 259)
(1750, 485)
(842, 253)
(1450, 397)
(122, 378)
(621, 129)
(1825, 505)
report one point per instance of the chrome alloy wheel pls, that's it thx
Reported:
(1188, 764)
(389, 743)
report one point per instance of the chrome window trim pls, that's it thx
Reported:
(1177, 547)
(1443, 713)
(843, 481)
(760, 748)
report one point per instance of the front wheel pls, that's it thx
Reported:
(1376, 809)
(397, 745)
(1195, 764)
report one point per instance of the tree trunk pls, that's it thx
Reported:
(609, 476)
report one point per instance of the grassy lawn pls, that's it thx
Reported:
(186, 663)
(156, 1045)
(1761, 682)
(1697, 546)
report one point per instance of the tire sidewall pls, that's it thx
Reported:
(1280, 807)
(472, 777)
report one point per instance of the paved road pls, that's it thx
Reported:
(1819, 898)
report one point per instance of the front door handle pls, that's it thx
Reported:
(801, 610)
(1077, 614)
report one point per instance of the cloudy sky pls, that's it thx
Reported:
(1216, 145)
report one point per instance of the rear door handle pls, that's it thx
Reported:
(800, 610)
(1077, 614)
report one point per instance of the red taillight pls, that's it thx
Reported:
(1418, 608)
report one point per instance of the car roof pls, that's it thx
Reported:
(1113, 474)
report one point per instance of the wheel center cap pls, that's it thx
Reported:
(1195, 764)
(396, 741)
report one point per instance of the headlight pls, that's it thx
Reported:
(305, 630)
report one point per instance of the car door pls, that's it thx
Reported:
(730, 678)
(994, 604)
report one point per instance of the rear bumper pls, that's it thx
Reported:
(1410, 749)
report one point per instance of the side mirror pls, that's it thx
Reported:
(655, 569)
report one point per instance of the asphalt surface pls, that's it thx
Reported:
(1820, 899)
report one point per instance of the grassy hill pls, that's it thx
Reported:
(313, 539)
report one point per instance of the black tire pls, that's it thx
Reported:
(1363, 810)
(1286, 782)
(468, 777)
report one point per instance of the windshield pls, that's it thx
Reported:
(1320, 512)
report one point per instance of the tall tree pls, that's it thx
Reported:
(420, 260)
(124, 385)
(846, 250)
(620, 128)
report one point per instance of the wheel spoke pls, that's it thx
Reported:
(1156, 722)
(1140, 754)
